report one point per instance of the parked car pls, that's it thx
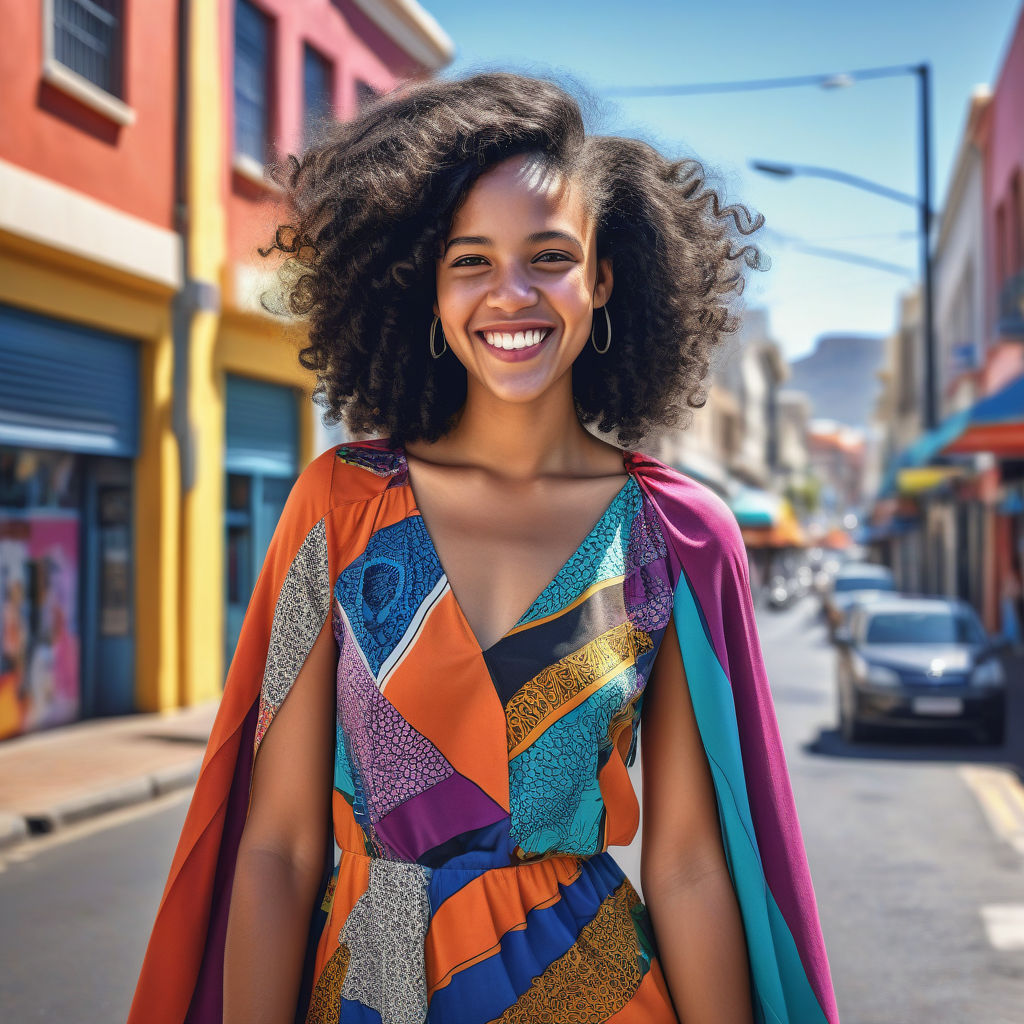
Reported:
(850, 583)
(919, 662)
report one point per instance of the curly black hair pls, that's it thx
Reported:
(371, 203)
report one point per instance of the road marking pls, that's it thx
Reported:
(1001, 797)
(1004, 925)
(70, 833)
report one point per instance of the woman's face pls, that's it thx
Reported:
(520, 265)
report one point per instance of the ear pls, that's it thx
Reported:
(437, 312)
(603, 285)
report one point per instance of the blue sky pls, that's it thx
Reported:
(869, 129)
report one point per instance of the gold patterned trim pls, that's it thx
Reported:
(595, 978)
(563, 686)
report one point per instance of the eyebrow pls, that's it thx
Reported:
(537, 236)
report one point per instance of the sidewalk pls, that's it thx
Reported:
(53, 778)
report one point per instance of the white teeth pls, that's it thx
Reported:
(520, 339)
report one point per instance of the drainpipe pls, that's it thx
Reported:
(194, 296)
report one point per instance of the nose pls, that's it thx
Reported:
(511, 290)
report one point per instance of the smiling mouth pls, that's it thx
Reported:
(512, 340)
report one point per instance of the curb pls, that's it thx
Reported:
(13, 829)
(17, 828)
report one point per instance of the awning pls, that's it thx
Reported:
(785, 532)
(995, 424)
(836, 539)
(755, 509)
(921, 479)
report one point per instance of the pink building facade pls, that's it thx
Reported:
(1003, 139)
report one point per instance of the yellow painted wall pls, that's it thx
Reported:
(222, 341)
(202, 575)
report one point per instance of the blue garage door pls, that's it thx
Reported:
(262, 462)
(66, 387)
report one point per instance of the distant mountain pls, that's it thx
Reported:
(841, 377)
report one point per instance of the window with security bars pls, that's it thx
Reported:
(252, 80)
(88, 39)
(316, 87)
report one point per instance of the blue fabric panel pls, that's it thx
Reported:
(485, 990)
(783, 994)
(262, 432)
(67, 387)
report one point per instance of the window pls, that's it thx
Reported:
(365, 94)
(941, 627)
(88, 39)
(252, 81)
(316, 85)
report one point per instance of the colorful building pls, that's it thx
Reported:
(152, 415)
(952, 509)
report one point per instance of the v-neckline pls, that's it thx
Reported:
(627, 456)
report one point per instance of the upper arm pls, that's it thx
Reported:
(290, 804)
(681, 833)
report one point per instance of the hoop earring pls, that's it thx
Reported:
(608, 321)
(433, 331)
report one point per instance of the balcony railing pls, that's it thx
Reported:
(1011, 307)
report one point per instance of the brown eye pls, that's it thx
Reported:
(558, 256)
(459, 262)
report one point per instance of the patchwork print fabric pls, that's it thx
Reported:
(474, 882)
(476, 791)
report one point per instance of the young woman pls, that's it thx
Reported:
(463, 619)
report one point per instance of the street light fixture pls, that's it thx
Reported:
(838, 80)
(854, 180)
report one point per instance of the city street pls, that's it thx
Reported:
(903, 855)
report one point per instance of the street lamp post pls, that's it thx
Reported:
(925, 217)
(923, 201)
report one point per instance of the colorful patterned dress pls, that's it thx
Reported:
(476, 792)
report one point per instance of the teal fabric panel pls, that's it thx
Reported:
(783, 994)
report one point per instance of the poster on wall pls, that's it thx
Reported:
(39, 632)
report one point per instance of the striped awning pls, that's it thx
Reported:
(995, 424)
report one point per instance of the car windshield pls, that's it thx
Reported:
(845, 583)
(940, 627)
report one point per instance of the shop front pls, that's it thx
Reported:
(69, 426)
(261, 463)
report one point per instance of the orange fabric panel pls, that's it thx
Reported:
(622, 808)
(464, 717)
(652, 1003)
(469, 925)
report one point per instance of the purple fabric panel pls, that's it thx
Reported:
(442, 812)
(207, 999)
(704, 541)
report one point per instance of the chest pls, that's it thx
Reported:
(501, 549)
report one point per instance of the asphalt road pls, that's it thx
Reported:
(903, 859)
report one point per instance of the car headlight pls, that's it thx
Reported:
(879, 675)
(988, 673)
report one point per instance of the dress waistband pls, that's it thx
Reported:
(557, 862)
